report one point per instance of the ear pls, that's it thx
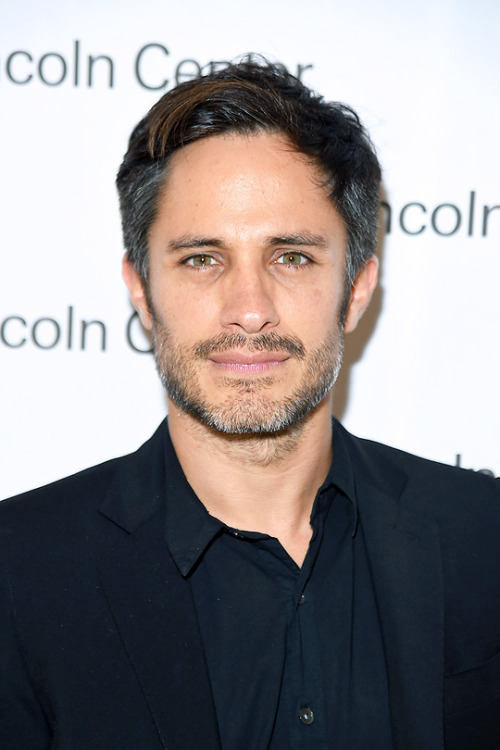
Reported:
(137, 293)
(361, 293)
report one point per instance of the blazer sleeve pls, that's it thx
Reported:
(22, 720)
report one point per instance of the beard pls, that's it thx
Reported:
(248, 408)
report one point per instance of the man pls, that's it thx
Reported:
(254, 576)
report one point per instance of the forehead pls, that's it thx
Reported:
(258, 177)
(257, 152)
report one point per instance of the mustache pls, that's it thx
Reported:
(270, 342)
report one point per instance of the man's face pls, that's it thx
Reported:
(246, 283)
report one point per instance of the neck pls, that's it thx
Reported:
(264, 483)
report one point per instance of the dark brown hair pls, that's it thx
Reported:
(248, 97)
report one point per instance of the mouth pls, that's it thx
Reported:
(247, 363)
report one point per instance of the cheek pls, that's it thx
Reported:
(189, 315)
(315, 313)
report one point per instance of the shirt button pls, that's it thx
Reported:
(302, 598)
(306, 716)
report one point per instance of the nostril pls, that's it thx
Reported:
(249, 310)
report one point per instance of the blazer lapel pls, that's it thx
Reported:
(154, 613)
(153, 608)
(404, 556)
(405, 559)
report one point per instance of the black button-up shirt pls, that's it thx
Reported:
(294, 655)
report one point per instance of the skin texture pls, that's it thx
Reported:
(246, 283)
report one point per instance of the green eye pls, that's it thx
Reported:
(201, 260)
(292, 259)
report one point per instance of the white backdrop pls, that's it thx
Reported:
(422, 373)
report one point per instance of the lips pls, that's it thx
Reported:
(247, 358)
(247, 363)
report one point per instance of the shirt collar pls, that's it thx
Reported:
(190, 528)
(342, 474)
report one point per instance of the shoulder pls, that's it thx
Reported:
(75, 494)
(423, 485)
(71, 502)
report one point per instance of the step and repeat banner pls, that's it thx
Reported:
(78, 379)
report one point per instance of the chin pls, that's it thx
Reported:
(241, 417)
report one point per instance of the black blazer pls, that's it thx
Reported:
(99, 642)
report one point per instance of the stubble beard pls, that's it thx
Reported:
(248, 409)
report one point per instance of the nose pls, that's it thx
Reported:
(248, 303)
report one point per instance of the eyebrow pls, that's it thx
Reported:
(296, 239)
(299, 239)
(188, 243)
